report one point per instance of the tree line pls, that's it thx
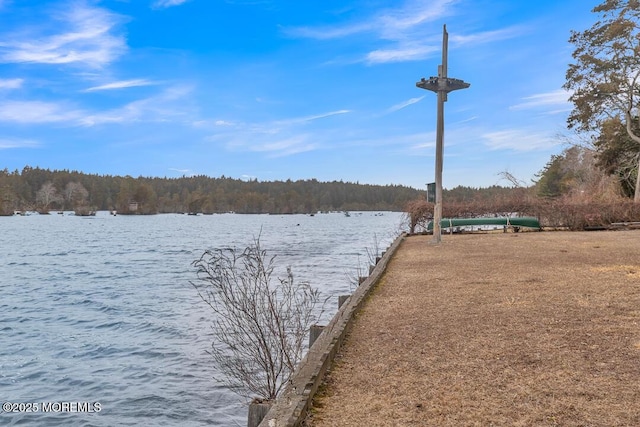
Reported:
(42, 190)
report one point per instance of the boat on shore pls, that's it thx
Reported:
(515, 222)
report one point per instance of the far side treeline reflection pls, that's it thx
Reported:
(43, 190)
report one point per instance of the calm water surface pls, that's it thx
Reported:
(100, 309)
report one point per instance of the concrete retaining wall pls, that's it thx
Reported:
(292, 406)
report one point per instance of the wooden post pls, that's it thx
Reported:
(371, 267)
(342, 299)
(314, 333)
(257, 411)
(442, 85)
(361, 279)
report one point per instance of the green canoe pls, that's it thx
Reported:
(525, 221)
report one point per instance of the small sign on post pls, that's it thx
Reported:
(431, 192)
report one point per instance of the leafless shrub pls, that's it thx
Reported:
(418, 213)
(574, 211)
(260, 324)
(580, 215)
(353, 276)
(374, 251)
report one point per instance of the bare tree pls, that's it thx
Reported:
(75, 194)
(508, 176)
(47, 195)
(260, 324)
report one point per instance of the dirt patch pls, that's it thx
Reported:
(495, 330)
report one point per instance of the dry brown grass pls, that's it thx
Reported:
(529, 329)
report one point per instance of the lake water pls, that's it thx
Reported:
(100, 309)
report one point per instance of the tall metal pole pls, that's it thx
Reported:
(442, 85)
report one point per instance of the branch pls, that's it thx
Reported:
(629, 127)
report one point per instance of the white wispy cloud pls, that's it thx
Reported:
(483, 37)
(162, 4)
(286, 147)
(519, 140)
(33, 112)
(389, 24)
(123, 84)
(212, 124)
(270, 141)
(467, 120)
(327, 33)
(400, 54)
(81, 34)
(277, 138)
(11, 83)
(402, 29)
(312, 117)
(166, 106)
(414, 45)
(554, 98)
(185, 172)
(455, 136)
(405, 32)
(395, 24)
(419, 142)
(7, 143)
(404, 104)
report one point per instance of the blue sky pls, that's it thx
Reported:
(287, 89)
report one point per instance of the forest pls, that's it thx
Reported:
(43, 190)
